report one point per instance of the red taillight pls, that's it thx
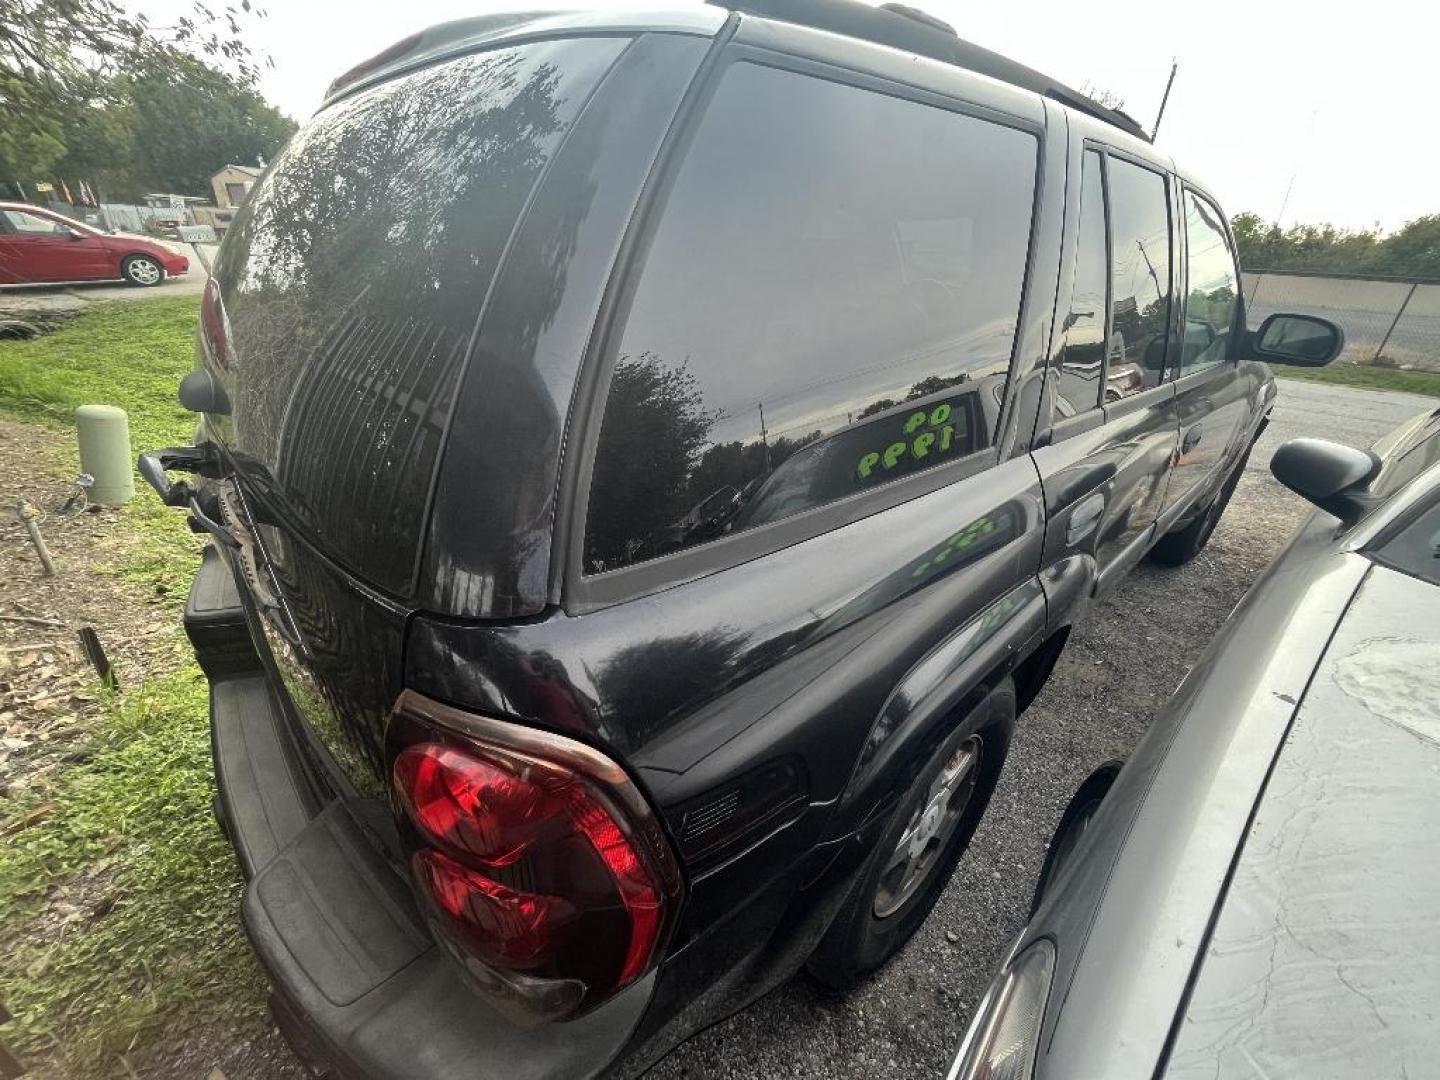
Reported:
(540, 858)
(214, 327)
(468, 805)
(515, 929)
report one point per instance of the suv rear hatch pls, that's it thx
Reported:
(340, 322)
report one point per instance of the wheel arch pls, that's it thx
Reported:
(1077, 814)
(1033, 672)
(943, 688)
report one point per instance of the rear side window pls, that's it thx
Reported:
(353, 277)
(829, 303)
(1083, 362)
(1140, 284)
(1213, 287)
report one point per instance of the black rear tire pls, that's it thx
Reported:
(860, 940)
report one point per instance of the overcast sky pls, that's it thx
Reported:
(1329, 93)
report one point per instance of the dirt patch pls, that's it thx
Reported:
(48, 688)
(52, 701)
(234, 1051)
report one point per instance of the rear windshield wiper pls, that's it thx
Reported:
(203, 460)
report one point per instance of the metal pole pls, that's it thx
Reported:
(1396, 322)
(1254, 288)
(764, 436)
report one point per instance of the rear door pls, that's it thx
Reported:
(1211, 395)
(798, 428)
(1112, 434)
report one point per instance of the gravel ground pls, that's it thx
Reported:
(1121, 666)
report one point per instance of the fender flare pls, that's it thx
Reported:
(939, 688)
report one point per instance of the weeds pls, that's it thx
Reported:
(118, 908)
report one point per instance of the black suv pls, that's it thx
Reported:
(651, 462)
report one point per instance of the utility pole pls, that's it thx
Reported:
(764, 437)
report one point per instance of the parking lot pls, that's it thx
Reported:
(1118, 671)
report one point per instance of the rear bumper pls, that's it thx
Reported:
(361, 988)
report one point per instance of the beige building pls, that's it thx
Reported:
(232, 183)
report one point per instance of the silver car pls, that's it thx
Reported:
(1255, 892)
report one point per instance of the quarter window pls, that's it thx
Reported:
(1083, 360)
(1213, 287)
(829, 303)
(1140, 286)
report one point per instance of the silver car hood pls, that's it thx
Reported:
(1325, 958)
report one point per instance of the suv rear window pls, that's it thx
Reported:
(829, 303)
(353, 277)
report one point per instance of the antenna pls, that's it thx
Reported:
(1299, 158)
(1174, 67)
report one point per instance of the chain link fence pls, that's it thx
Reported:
(1388, 322)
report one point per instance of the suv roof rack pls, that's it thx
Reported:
(907, 28)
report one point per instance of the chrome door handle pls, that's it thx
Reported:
(1084, 517)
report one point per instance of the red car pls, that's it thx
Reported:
(38, 246)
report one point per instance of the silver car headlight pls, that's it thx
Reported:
(1003, 1037)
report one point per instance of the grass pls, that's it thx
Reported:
(129, 833)
(1365, 376)
(132, 355)
(127, 354)
(132, 828)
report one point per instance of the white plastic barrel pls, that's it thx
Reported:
(104, 433)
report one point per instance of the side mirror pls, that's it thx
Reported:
(71, 234)
(1330, 475)
(1302, 340)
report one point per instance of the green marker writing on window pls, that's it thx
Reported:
(940, 438)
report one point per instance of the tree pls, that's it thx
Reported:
(1413, 251)
(56, 58)
(97, 144)
(187, 120)
(1105, 98)
(655, 424)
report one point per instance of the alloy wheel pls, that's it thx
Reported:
(929, 830)
(144, 271)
